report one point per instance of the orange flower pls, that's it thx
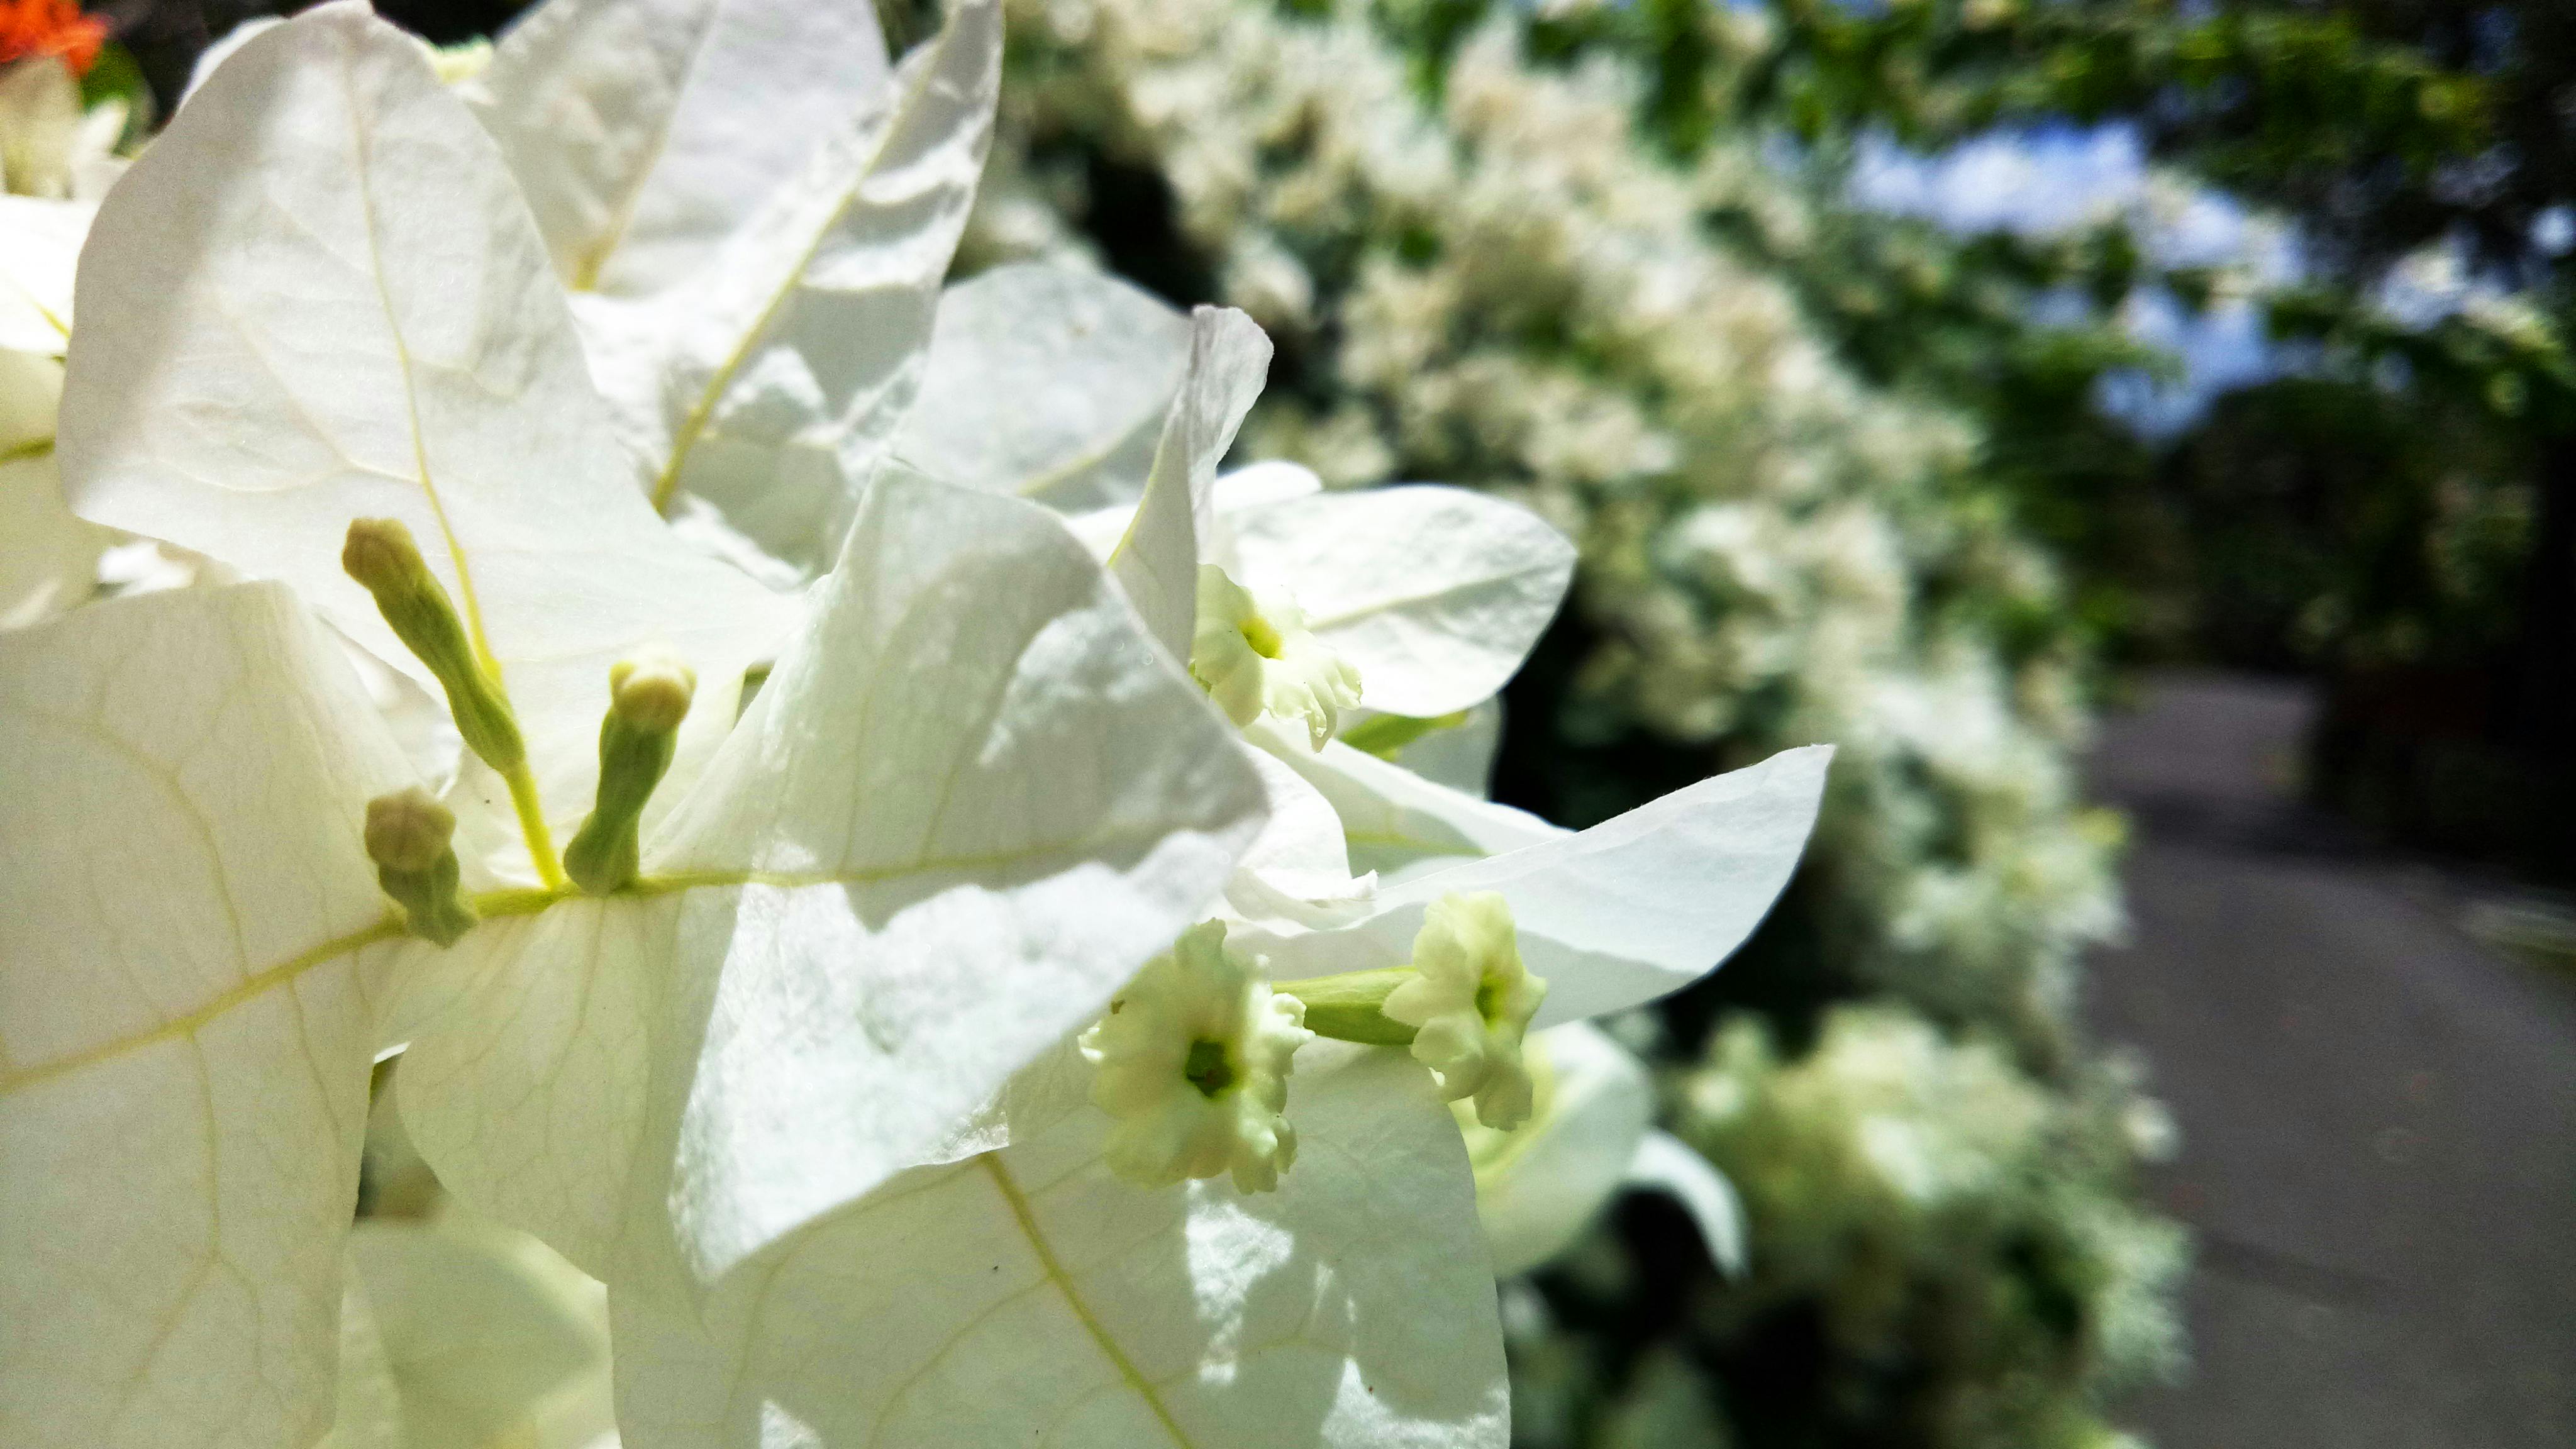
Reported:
(50, 27)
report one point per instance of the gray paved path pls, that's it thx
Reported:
(2378, 1115)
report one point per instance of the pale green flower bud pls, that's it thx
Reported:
(1194, 1057)
(647, 698)
(1255, 656)
(409, 837)
(381, 556)
(1470, 1004)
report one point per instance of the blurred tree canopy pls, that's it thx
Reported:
(2396, 509)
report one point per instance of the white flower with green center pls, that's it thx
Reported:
(971, 799)
(721, 1048)
(1416, 603)
(1193, 1060)
(1257, 657)
(1469, 1002)
(1030, 1291)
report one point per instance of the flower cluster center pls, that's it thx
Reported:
(1263, 637)
(1210, 1068)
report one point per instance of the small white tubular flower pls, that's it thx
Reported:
(1194, 1059)
(1469, 1005)
(1255, 655)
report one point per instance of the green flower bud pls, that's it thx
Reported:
(381, 556)
(409, 838)
(647, 699)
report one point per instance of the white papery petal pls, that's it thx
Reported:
(1047, 382)
(1395, 818)
(1667, 1164)
(1459, 756)
(48, 557)
(480, 1327)
(40, 125)
(40, 242)
(1632, 909)
(1029, 1296)
(190, 966)
(225, 46)
(1537, 1186)
(1157, 561)
(1436, 594)
(369, 1411)
(644, 132)
(769, 385)
(1297, 872)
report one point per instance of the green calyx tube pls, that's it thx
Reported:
(380, 555)
(1349, 1007)
(648, 698)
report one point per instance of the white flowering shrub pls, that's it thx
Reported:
(786, 834)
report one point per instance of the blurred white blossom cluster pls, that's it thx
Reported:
(1889, 1171)
(1507, 293)
(1941, 1253)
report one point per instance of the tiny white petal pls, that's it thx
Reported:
(1470, 1004)
(1256, 657)
(1193, 1062)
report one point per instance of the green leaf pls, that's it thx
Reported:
(114, 78)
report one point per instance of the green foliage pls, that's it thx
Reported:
(114, 76)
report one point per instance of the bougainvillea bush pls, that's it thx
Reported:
(693, 830)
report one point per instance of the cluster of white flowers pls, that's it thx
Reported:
(1505, 289)
(1506, 292)
(1889, 1169)
(822, 804)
